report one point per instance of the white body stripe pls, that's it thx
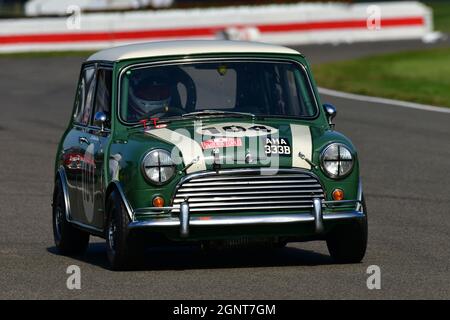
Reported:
(301, 142)
(190, 149)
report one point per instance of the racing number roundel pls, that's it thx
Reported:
(236, 130)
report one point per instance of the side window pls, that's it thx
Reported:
(83, 103)
(103, 93)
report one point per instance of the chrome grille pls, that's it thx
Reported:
(249, 190)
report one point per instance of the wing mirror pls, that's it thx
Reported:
(100, 119)
(331, 112)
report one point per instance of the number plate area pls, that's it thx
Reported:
(277, 146)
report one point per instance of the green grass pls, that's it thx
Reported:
(417, 76)
(441, 14)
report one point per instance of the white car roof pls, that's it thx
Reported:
(186, 47)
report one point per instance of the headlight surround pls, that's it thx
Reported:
(158, 167)
(336, 160)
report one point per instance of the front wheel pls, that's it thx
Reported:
(120, 247)
(347, 243)
(68, 239)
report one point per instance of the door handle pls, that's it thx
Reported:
(83, 140)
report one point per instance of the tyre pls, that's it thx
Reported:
(121, 248)
(347, 243)
(69, 240)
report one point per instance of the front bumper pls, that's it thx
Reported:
(317, 221)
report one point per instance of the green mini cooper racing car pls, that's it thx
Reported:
(213, 142)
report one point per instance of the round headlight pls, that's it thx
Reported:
(158, 167)
(336, 160)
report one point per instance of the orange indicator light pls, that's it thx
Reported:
(158, 202)
(338, 194)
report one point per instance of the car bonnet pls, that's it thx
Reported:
(205, 145)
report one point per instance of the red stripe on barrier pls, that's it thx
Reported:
(346, 24)
(105, 36)
(202, 32)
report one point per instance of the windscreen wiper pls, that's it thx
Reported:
(218, 113)
(304, 158)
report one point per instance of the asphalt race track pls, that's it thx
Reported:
(404, 154)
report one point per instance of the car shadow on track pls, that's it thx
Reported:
(193, 257)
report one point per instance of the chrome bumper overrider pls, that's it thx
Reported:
(184, 221)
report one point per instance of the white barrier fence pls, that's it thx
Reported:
(281, 24)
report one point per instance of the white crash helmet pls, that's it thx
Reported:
(149, 94)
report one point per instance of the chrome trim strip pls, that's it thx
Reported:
(63, 177)
(245, 203)
(234, 198)
(273, 208)
(313, 188)
(233, 193)
(318, 217)
(140, 210)
(222, 220)
(334, 204)
(359, 196)
(98, 130)
(124, 199)
(86, 127)
(263, 172)
(343, 215)
(184, 220)
(297, 176)
(176, 209)
(256, 183)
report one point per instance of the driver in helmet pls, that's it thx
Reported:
(149, 97)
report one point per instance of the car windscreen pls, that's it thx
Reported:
(262, 88)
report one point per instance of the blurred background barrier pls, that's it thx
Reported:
(77, 25)
(59, 7)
